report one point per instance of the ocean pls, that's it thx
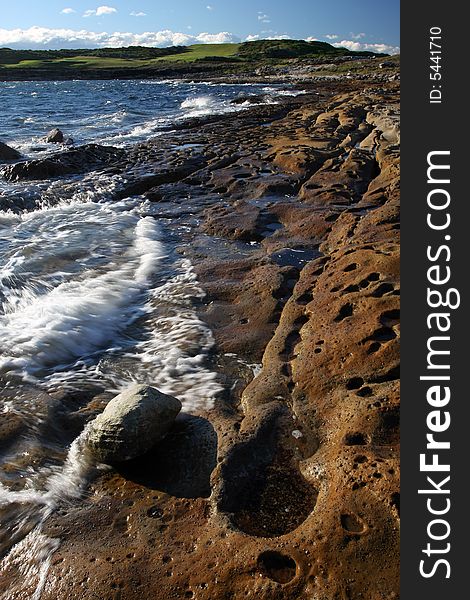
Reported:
(111, 112)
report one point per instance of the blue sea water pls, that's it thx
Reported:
(111, 112)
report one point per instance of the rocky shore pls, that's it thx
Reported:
(289, 488)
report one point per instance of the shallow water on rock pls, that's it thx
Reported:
(93, 297)
(95, 294)
(91, 292)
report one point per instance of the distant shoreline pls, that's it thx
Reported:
(250, 61)
(109, 75)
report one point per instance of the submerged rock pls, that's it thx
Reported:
(249, 99)
(132, 423)
(55, 136)
(7, 153)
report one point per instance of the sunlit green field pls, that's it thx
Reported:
(198, 51)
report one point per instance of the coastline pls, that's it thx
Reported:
(293, 212)
(264, 71)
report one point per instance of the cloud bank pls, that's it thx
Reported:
(42, 38)
(362, 46)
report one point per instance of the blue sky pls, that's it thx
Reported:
(357, 24)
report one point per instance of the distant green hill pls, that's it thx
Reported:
(10, 57)
(279, 49)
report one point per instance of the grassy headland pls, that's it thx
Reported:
(223, 59)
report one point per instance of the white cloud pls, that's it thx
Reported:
(209, 7)
(67, 11)
(358, 36)
(277, 37)
(312, 39)
(224, 37)
(263, 17)
(331, 36)
(137, 14)
(253, 37)
(100, 11)
(361, 46)
(105, 10)
(43, 38)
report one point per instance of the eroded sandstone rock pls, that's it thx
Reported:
(296, 493)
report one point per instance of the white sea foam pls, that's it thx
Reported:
(82, 301)
(198, 106)
(173, 356)
(142, 131)
(32, 551)
(171, 353)
(61, 321)
(31, 559)
(293, 93)
(41, 329)
(59, 484)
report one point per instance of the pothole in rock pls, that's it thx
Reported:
(356, 439)
(277, 566)
(273, 503)
(263, 495)
(352, 523)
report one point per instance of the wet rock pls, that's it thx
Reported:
(238, 222)
(249, 99)
(131, 424)
(79, 160)
(7, 153)
(12, 426)
(140, 184)
(55, 136)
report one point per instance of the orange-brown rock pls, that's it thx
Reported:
(289, 488)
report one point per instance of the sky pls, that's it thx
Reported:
(52, 24)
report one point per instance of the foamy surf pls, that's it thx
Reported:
(114, 112)
(46, 322)
(199, 106)
(30, 559)
(29, 551)
(89, 296)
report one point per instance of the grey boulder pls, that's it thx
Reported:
(131, 424)
(55, 136)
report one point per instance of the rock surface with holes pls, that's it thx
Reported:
(292, 214)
